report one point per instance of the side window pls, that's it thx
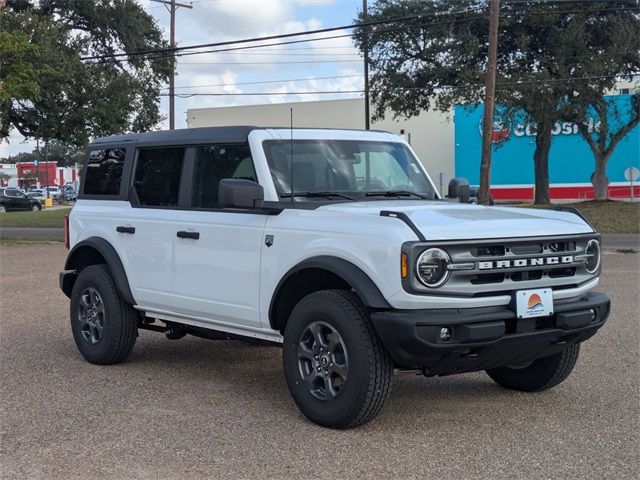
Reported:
(157, 177)
(212, 163)
(103, 172)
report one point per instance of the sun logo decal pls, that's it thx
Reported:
(534, 302)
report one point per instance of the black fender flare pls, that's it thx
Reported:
(111, 257)
(361, 283)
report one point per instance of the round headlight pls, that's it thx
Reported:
(593, 256)
(431, 267)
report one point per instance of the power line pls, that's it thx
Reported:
(258, 94)
(440, 87)
(287, 80)
(271, 63)
(180, 51)
(306, 40)
(275, 37)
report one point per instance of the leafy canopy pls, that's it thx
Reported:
(47, 91)
(548, 52)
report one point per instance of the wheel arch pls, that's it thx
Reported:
(321, 273)
(95, 251)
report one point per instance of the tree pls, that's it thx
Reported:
(64, 154)
(546, 52)
(614, 121)
(20, 157)
(48, 91)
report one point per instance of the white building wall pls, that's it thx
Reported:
(431, 134)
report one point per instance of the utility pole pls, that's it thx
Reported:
(172, 6)
(489, 104)
(365, 45)
(38, 163)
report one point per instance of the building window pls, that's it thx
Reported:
(625, 91)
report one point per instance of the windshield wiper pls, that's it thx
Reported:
(317, 194)
(396, 193)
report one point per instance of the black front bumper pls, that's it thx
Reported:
(488, 337)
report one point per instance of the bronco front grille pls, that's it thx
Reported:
(495, 266)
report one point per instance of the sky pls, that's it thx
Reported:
(236, 72)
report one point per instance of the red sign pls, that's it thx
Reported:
(29, 173)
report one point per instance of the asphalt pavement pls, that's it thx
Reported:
(195, 408)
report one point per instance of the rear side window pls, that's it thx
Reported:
(212, 164)
(157, 177)
(103, 172)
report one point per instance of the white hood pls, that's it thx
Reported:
(442, 220)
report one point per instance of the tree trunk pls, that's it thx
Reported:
(541, 161)
(599, 178)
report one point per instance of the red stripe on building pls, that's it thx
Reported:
(580, 192)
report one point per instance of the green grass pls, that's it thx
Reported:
(609, 216)
(42, 219)
(16, 242)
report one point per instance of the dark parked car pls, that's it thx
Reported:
(13, 199)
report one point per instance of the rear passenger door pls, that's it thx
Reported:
(216, 251)
(147, 230)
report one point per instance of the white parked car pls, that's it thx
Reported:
(333, 244)
(54, 191)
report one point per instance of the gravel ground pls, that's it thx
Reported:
(200, 409)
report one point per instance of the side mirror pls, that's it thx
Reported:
(239, 193)
(459, 188)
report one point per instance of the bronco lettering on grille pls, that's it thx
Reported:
(525, 262)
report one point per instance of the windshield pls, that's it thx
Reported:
(352, 168)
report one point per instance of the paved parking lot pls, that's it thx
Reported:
(200, 409)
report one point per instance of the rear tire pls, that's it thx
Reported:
(3, 209)
(329, 331)
(104, 326)
(542, 374)
(35, 207)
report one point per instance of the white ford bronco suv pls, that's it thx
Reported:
(335, 245)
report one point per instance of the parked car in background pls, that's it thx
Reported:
(69, 193)
(54, 191)
(12, 199)
(37, 195)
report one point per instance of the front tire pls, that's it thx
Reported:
(337, 370)
(104, 326)
(35, 207)
(542, 374)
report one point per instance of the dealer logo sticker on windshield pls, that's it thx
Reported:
(534, 303)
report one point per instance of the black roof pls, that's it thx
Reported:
(193, 136)
(237, 134)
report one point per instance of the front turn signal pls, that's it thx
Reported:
(404, 269)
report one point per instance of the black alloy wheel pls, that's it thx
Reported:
(323, 361)
(91, 315)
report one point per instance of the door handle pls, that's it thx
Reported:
(185, 234)
(123, 229)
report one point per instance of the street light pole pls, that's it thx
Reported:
(172, 6)
(489, 104)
